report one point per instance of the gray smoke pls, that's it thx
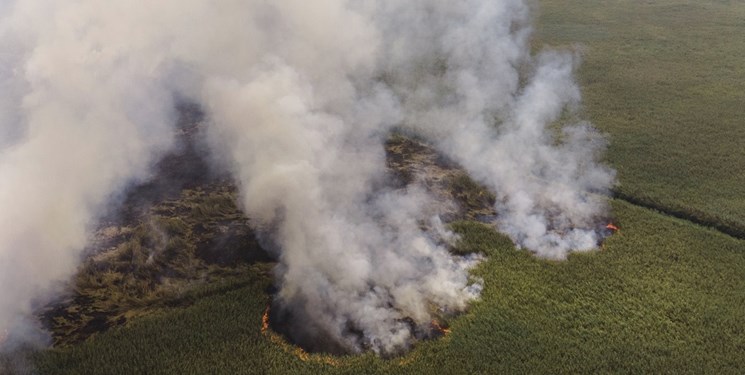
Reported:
(300, 97)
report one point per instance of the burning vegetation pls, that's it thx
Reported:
(296, 132)
(277, 332)
(171, 243)
(288, 347)
(439, 329)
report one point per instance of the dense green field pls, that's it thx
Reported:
(665, 79)
(663, 296)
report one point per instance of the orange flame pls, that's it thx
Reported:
(437, 327)
(265, 320)
(289, 348)
(612, 227)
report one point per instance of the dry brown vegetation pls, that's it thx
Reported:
(178, 244)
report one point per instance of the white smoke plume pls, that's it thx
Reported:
(457, 68)
(300, 97)
(81, 118)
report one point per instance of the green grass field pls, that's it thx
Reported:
(665, 79)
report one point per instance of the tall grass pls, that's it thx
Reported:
(664, 79)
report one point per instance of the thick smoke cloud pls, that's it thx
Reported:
(76, 129)
(300, 97)
(457, 67)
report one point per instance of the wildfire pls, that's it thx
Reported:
(437, 327)
(289, 348)
(265, 320)
(612, 227)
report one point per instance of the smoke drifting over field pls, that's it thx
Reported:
(300, 97)
(466, 79)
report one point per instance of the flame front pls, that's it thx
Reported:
(265, 320)
(289, 348)
(612, 227)
(437, 327)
